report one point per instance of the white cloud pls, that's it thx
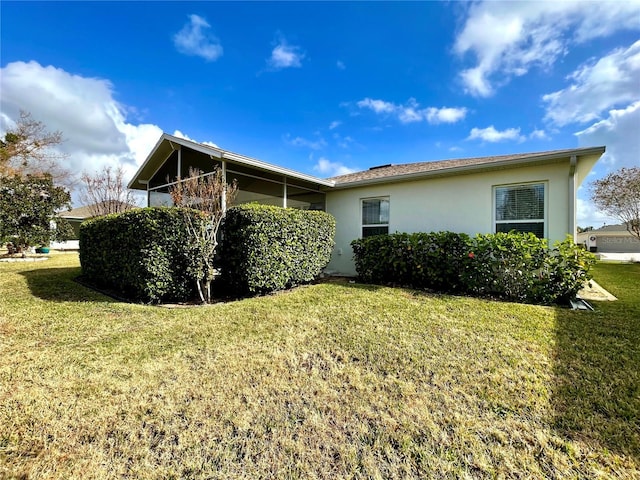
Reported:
(539, 134)
(411, 111)
(317, 144)
(509, 38)
(94, 125)
(331, 169)
(587, 215)
(284, 55)
(193, 40)
(490, 134)
(378, 106)
(335, 124)
(595, 87)
(179, 134)
(445, 114)
(340, 64)
(620, 133)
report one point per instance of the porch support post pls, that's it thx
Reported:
(179, 163)
(224, 190)
(284, 192)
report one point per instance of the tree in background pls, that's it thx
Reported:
(106, 192)
(211, 195)
(28, 210)
(29, 196)
(27, 149)
(618, 195)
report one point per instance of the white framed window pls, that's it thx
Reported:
(375, 216)
(521, 207)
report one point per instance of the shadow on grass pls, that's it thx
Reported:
(596, 393)
(59, 285)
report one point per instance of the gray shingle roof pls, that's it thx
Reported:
(612, 228)
(86, 211)
(397, 172)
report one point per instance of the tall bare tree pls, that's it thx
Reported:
(211, 195)
(106, 192)
(618, 195)
(28, 149)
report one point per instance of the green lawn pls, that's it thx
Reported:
(334, 380)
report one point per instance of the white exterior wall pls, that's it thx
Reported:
(461, 203)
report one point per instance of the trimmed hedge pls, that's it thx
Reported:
(512, 266)
(266, 248)
(140, 254)
(422, 260)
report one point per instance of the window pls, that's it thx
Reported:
(375, 216)
(521, 208)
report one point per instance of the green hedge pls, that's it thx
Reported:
(421, 260)
(512, 266)
(266, 248)
(139, 254)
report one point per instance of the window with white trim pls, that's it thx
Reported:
(521, 208)
(375, 216)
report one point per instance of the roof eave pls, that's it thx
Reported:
(220, 154)
(498, 164)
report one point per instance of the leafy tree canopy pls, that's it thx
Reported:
(28, 210)
(618, 195)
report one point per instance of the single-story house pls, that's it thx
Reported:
(533, 192)
(610, 239)
(78, 215)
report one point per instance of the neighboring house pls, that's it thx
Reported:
(533, 192)
(78, 215)
(610, 239)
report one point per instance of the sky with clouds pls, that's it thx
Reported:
(328, 88)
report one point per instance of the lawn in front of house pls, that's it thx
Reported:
(334, 380)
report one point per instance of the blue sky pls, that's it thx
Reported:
(326, 88)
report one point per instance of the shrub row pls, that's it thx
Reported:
(143, 254)
(512, 266)
(266, 248)
(139, 254)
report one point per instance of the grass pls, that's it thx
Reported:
(334, 380)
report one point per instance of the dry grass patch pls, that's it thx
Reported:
(326, 381)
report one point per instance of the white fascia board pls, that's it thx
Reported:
(234, 157)
(244, 160)
(132, 184)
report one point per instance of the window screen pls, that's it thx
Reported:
(520, 208)
(375, 216)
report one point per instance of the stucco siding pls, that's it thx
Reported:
(462, 203)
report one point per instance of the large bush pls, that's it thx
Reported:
(139, 254)
(422, 260)
(266, 248)
(513, 266)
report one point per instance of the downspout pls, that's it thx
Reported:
(573, 162)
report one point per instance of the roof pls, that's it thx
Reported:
(84, 212)
(383, 174)
(409, 171)
(611, 228)
(166, 145)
